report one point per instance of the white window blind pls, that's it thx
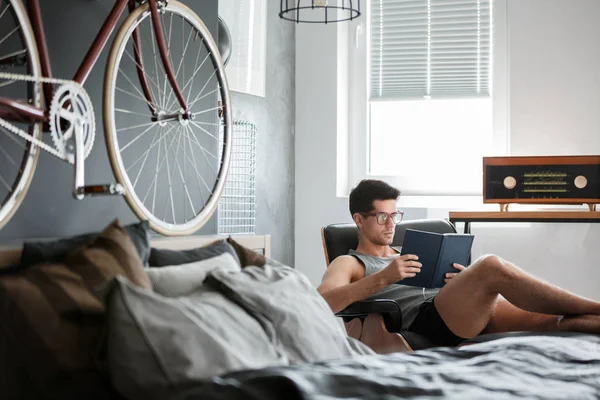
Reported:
(430, 49)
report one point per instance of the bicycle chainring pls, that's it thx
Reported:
(71, 109)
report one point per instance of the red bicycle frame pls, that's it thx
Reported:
(15, 110)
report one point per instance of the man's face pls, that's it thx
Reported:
(382, 235)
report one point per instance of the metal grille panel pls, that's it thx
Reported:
(237, 206)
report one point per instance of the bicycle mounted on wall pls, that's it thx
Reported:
(171, 111)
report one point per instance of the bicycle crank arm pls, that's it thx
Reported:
(80, 190)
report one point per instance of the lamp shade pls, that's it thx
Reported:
(319, 11)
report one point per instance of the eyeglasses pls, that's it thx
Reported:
(382, 217)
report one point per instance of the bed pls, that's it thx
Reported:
(531, 367)
(559, 366)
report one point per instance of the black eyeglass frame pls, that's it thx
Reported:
(382, 217)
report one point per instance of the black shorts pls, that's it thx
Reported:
(429, 324)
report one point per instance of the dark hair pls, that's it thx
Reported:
(369, 190)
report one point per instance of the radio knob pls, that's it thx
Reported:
(510, 182)
(580, 182)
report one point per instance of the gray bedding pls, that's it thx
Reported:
(530, 367)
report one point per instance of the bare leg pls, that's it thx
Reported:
(508, 318)
(468, 302)
(354, 328)
(379, 339)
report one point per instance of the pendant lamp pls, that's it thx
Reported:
(319, 11)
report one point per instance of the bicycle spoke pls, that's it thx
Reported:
(187, 99)
(181, 174)
(8, 156)
(130, 112)
(194, 164)
(158, 168)
(12, 136)
(155, 179)
(144, 162)
(131, 94)
(205, 95)
(170, 192)
(204, 151)
(13, 54)
(179, 66)
(136, 126)
(142, 96)
(204, 130)
(137, 137)
(9, 34)
(176, 163)
(203, 87)
(206, 123)
(150, 148)
(7, 83)
(140, 67)
(193, 75)
(5, 10)
(6, 185)
(151, 34)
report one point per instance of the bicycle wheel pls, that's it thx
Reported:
(173, 169)
(18, 156)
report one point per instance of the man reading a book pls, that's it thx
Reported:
(491, 295)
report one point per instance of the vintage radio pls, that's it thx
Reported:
(542, 180)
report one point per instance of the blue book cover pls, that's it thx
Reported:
(437, 252)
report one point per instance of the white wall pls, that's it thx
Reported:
(554, 109)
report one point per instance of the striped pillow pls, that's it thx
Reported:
(53, 318)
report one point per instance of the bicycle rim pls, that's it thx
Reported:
(18, 157)
(173, 169)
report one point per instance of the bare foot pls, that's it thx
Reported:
(377, 337)
(587, 323)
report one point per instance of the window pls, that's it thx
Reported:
(433, 110)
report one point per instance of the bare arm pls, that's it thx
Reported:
(344, 282)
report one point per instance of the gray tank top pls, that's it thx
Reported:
(409, 298)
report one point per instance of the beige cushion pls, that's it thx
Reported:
(180, 280)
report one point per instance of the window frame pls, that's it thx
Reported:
(355, 139)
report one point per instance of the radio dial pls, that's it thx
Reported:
(510, 182)
(580, 182)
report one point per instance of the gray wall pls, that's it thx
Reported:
(274, 117)
(49, 210)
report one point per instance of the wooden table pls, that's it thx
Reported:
(556, 216)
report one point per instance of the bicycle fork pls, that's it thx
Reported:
(156, 8)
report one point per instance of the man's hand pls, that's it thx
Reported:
(451, 275)
(405, 266)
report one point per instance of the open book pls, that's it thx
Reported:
(437, 252)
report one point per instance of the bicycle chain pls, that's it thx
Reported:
(22, 133)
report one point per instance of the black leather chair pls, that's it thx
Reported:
(338, 239)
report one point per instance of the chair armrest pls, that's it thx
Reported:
(392, 317)
(366, 307)
(389, 309)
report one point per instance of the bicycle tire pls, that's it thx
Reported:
(24, 174)
(168, 224)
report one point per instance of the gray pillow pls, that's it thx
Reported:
(56, 251)
(163, 257)
(286, 303)
(158, 345)
(180, 280)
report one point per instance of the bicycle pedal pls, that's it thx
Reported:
(113, 189)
